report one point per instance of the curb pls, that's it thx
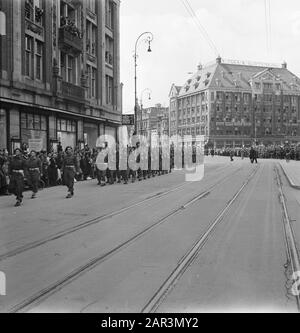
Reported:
(292, 184)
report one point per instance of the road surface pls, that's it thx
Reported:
(161, 245)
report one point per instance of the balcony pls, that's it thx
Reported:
(71, 91)
(70, 40)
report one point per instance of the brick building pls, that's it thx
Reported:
(153, 121)
(236, 103)
(59, 72)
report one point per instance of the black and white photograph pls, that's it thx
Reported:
(149, 159)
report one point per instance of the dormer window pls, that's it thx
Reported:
(189, 81)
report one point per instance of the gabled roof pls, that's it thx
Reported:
(233, 76)
(174, 88)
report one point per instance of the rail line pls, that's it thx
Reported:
(191, 255)
(90, 222)
(43, 294)
(291, 248)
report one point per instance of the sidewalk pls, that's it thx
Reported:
(292, 171)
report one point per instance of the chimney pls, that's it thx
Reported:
(219, 60)
(284, 65)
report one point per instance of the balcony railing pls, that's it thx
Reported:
(72, 91)
(70, 41)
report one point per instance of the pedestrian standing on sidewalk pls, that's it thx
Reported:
(16, 171)
(33, 172)
(70, 168)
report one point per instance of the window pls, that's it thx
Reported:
(109, 14)
(70, 69)
(29, 9)
(63, 61)
(29, 56)
(268, 85)
(109, 50)
(109, 90)
(33, 58)
(91, 5)
(33, 11)
(92, 72)
(91, 31)
(38, 60)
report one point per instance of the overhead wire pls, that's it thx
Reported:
(197, 21)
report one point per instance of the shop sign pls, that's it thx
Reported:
(35, 144)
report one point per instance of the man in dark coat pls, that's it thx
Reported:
(33, 172)
(16, 169)
(253, 155)
(70, 168)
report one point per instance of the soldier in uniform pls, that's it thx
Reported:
(101, 173)
(33, 172)
(16, 171)
(70, 168)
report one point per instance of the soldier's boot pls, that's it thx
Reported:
(69, 195)
(18, 203)
(33, 195)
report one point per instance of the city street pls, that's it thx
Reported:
(159, 245)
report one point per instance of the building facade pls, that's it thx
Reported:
(235, 104)
(153, 121)
(59, 72)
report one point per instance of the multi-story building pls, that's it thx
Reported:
(236, 103)
(59, 72)
(153, 121)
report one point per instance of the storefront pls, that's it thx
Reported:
(112, 131)
(3, 129)
(34, 131)
(90, 133)
(66, 132)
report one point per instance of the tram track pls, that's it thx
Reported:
(162, 292)
(292, 253)
(45, 293)
(93, 221)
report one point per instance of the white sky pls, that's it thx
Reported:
(237, 28)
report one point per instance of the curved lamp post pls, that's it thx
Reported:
(141, 102)
(148, 38)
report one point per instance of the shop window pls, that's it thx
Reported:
(3, 131)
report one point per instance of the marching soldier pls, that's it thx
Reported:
(103, 171)
(33, 172)
(16, 170)
(70, 168)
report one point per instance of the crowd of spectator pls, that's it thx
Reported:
(289, 152)
(52, 161)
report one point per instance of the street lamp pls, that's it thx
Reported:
(141, 102)
(148, 39)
